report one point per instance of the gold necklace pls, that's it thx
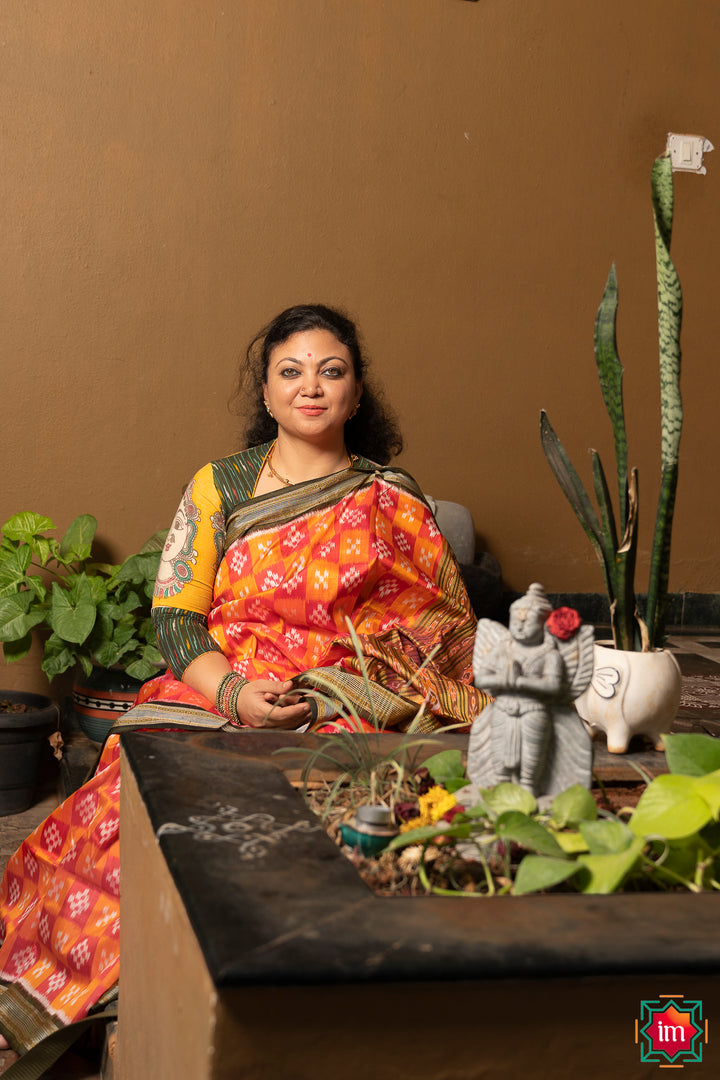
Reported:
(283, 479)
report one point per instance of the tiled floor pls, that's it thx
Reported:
(698, 654)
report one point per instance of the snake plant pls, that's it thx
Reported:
(614, 538)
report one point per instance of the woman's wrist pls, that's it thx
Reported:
(227, 695)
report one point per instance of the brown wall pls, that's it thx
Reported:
(457, 175)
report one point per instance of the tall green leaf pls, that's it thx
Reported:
(669, 324)
(610, 371)
(570, 482)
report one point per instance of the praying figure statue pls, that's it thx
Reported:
(531, 734)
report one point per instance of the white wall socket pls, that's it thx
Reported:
(686, 152)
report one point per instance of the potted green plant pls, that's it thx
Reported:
(97, 614)
(614, 537)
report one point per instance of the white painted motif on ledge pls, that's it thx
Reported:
(253, 834)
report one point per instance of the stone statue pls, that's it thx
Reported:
(531, 734)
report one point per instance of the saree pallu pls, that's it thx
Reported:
(360, 547)
(60, 913)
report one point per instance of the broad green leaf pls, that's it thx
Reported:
(146, 632)
(572, 843)
(708, 788)
(43, 548)
(25, 526)
(515, 826)
(86, 665)
(98, 588)
(140, 568)
(13, 567)
(680, 859)
(710, 835)
(16, 618)
(72, 622)
(37, 587)
(692, 755)
(16, 650)
(156, 542)
(131, 603)
(57, 657)
(606, 837)
(123, 633)
(572, 806)
(82, 587)
(143, 669)
(670, 806)
(76, 544)
(446, 768)
(107, 654)
(509, 797)
(537, 872)
(605, 873)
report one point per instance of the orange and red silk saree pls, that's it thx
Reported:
(273, 581)
(297, 565)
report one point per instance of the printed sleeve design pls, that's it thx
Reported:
(179, 556)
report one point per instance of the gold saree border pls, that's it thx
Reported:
(25, 1022)
(281, 507)
(168, 713)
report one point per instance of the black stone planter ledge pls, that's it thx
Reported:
(307, 965)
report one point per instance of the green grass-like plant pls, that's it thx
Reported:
(369, 774)
(614, 536)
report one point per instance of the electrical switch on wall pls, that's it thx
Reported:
(686, 152)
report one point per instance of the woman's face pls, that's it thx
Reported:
(311, 386)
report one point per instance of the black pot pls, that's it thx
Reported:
(22, 740)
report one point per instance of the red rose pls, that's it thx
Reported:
(563, 622)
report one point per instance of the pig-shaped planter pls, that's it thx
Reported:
(631, 693)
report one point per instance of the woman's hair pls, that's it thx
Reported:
(372, 432)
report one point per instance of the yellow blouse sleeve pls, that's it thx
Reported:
(193, 549)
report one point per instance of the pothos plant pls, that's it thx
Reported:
(614, 538)
(671, 840)
(97, 613)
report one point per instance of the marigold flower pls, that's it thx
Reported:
(432, 805)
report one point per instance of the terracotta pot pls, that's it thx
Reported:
(22, 740)
(100, 698)
(631, 693)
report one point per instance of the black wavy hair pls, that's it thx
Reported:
(372, 432)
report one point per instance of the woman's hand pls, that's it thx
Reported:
(257, 705)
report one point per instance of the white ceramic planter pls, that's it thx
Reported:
(631, 693)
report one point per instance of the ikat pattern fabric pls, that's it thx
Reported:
(60, 911)
(292, 573)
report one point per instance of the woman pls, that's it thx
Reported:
(274, 553)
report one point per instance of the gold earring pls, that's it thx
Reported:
(354, 411)
(269, 410)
